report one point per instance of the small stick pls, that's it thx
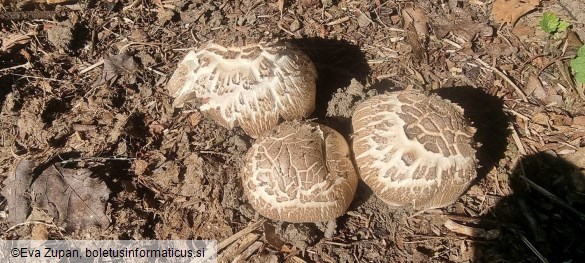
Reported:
(248, 252)
(285, 30)
(226, 242)
(26, 15)
(136, 3)
(506, 78)
(26, 65)
(338, 21)
(550, 195)
(95, 65)
(471, 231)
(532, 248)
(34, 222)
(238, 247)
(518, 141)
(97, 159)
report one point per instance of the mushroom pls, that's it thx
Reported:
(250, 86)
(414, 149)
(300, 172)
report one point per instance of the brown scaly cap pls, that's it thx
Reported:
(300, 172)
(414, 149)
(251, 86)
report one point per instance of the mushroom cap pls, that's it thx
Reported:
(300, 172)
(249, 86)
(414, 149)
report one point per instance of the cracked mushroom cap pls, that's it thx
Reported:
(250, 86)
(414, 149)
(300, 172)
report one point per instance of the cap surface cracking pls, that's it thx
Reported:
(249, 86)
(414, 149)
(300, 172)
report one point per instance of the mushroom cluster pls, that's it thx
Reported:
(250, 86)
(300, 172)
(409, 147)
(413, 149)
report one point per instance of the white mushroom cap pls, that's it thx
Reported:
(300, 172)
(413, 149)
(249, 86)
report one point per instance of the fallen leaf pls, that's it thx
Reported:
(13, 40)
(116, 66)
(156, 128)
(579, 121)
(158, 3)
(462, 26)
(509, 11)
(15, 191)
(417, 18)
(195, 118)
(73, 197)
(140, 166)
(193, 178)
(39, 232)
(540, 118)
(544, 94)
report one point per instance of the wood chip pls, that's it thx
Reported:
(509, 11)
(471, 231)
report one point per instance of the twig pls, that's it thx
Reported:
(97, 159)
(518, 141)
(157, 71)
(506, 78)
(338, 21)
(26, 65)
(238, 247)
(216, 153)
(285, 30)
(532, 248)
(33, 222)
(43, 78)
(248, 252)
(452, 43)
(471, 231)
(28, 15)
(226, 242)
(550, 195)
(136, 3)
(95, 65)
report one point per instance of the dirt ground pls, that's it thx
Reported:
(82, 96)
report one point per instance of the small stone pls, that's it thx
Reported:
(363, 20)
(295, 25)
(61, 36)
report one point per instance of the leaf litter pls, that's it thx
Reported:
(75, 198)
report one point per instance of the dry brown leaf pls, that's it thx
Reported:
(509, 11)
(73, 197)
(15, 39)
(118, 65)
(579, 121)
(158, 3)
(140, 166)
(534, 87)
(195, 118)
(417, 18)
(15, 190)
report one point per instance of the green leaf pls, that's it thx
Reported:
(549, 22)
(578, 66)
(563, 25)
(581, 52)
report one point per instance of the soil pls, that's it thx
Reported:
(82, 88)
